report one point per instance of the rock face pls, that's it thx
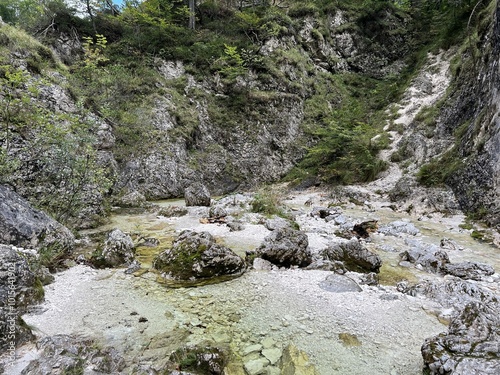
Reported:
(285, 247)
(471, 345)
(18, 288)
(118, 249)
(354, 256)
(197, 256)
(24, 226)
(197, 194)
(63, 354)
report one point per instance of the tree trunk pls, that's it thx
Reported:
(192, 15)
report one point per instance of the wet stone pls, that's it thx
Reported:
(339, 284)
(273, 355)
(252, 349)
(256, 366)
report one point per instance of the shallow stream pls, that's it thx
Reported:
(376, 331)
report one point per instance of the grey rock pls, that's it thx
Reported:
(326, 212)
(63, 354)
(260, 264)
(197, 256)
(471, 345)
(339, 284)
(327, 265)
(396, 228)
(273, 355)
(217, 212)
(132, 199)
(235, 225)
(449, 244)
(354, 256)
(18, 289)
(429, 256)
(468, 270)
(24, 226)
(199, 360)
(118, 249)
(172, 211)
(277, 223)
(197, 194)
(272, 370)
(252, 349)
(286, 247)
(453, 293)
(256, 366)
(133, 267)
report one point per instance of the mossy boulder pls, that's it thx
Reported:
(196, 256)
(199, 360)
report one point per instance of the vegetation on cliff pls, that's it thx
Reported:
(339, 64)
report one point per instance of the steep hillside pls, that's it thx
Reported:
(254, 94)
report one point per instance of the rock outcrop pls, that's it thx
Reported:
(63, 354)
(285, 247)
(471, 344)
(24, 226)
(118, 250)
(196, 256)
(197, 194)
(354, 256)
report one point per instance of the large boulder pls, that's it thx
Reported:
(468, 270)
(471, 345)
(19, 287)
(197, 194)
(429, 256)
(354, 256)
(197, 256)
(285, 247)
(24, 226)
(118, 249)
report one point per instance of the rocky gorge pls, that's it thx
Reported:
(394, 274)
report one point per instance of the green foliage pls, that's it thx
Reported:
(437, 171)
(343, 116)
(231, 65)
(57, 149)
(267, 202)
(93, 52)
